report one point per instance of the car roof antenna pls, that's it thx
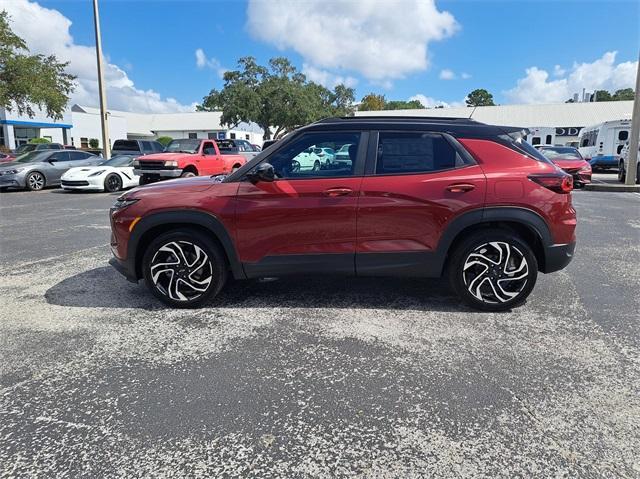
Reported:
(473, 111)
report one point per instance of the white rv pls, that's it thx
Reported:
(602, 144)
(541, 136)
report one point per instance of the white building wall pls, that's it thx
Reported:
(87, 125)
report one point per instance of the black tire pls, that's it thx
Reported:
(35, 181)
(112, 183)
(621, 173)
(316, 166)
(235, 168)
(210, 276)
(188, 174)
(638, 174)
(473, 259)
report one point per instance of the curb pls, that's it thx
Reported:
(612, 187)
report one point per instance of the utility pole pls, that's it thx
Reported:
(635, 134)
(104, 119)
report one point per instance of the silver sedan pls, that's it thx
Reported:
(38, 169)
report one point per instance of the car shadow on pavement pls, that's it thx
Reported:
(104, 288)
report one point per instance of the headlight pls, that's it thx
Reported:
(97, 173)
(123, 203)
(171, 163)
(12, 172)
(136, 164)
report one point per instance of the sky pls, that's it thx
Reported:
(164, 56)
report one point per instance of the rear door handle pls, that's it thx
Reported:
(461, 187)
(337, 192)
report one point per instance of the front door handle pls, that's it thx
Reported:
(337, 192)
(461, 187)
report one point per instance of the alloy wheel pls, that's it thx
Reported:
(495, 272)
(181, 270)
(36, 181)
(113, 183)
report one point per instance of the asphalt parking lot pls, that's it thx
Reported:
(312, 377)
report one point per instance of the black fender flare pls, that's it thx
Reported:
(526, 217)
(188, 217)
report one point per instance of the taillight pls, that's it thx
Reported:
(558, 182)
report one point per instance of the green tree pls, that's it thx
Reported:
(38, 141)
(164, 140)
(602, 95)
(94, 143)
(624, 94)
(403, 105)
(277, 97)
(372, 102)
(30, 80)
(480, 97)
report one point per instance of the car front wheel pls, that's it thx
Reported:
(184, 268)
(113, 183)
(493, 270)
(35, 181)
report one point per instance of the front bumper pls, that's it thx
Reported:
(175, 173)
(13, 181)
(92, 184)
(124, 268)
(557, 257)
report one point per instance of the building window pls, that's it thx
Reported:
(84, 142)
(212, 136)
(232, 136)
(193, 136)
(247, 137)
(623, 135)
(535, 140)
(548, 140)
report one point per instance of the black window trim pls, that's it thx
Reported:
(358, 170)
(372, 156)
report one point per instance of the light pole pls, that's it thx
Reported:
(104, 120)
(632, 169)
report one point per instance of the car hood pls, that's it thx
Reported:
(164, 156)
(13, 165)
(177, 186)
(569, 162)
(81, 171)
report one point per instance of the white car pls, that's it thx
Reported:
(623, 165)
(313, 158)
(112, 175)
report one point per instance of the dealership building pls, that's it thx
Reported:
(82, 123)
(562, 121)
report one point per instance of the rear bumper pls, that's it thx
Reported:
(164, 173)
(557, 257)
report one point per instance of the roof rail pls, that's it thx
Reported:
(365, 118)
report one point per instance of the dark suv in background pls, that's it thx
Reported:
(418, 197)
(136, 147)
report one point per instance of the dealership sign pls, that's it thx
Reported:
(568, 131)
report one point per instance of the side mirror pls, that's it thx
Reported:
(264, 172)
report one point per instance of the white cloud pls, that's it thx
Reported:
(212, 63)
(465, 76)
(380, 39)
(326, 78)
(429, 102)
(47, 31)
(447, 74)
(601, 74)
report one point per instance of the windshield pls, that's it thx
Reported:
(25, 149)
(32, 156)
(183, 146)
(120, 160)
(568, 153)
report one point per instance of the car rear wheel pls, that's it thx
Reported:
(184, 269)
(35, 181)
(113, 183)
(621, 173)
(493, 270)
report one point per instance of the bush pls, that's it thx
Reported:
(164, 140)
(94, 143)
(37, 141)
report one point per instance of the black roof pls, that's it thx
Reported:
(454, 126)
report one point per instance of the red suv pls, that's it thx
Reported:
(419, 197)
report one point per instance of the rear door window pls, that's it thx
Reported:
(419, 152)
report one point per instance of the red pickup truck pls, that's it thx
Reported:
(184, 158)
